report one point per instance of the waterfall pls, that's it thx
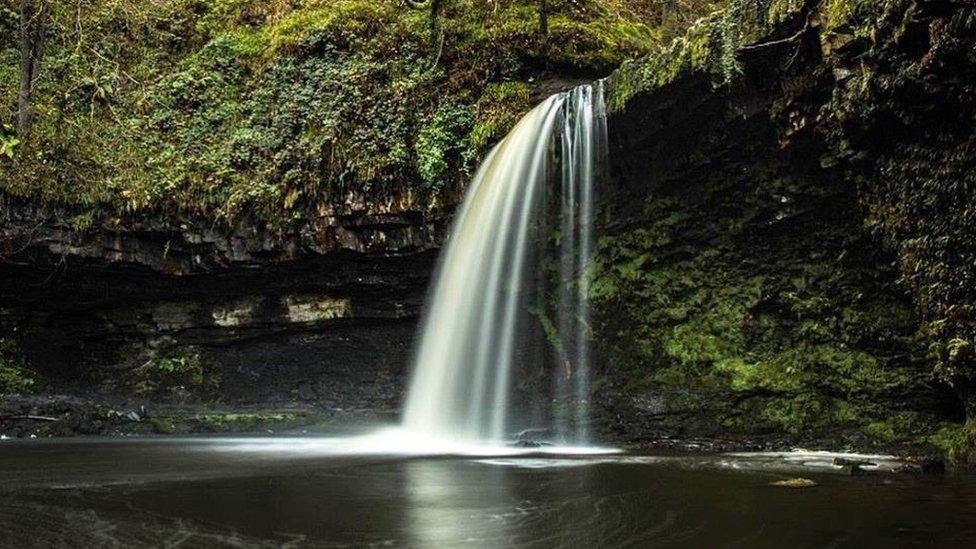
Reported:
(476, 315)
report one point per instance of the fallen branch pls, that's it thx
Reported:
(30, 417)
(787, 40)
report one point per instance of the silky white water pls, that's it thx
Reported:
(474, 324)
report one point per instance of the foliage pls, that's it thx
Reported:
(8, 141)
(187, 372)
(14, 374)
(261, 113)
(710, 45)
(902, 120)
(497, 111)
(438, 146)
(958, 442)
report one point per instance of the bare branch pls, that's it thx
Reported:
(29, 418)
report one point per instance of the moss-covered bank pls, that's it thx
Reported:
(802, 258)
(263, 112)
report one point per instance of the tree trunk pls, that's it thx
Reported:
(33, 23)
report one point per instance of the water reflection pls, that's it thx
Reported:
(450, 505)
(488, 504)
(200, 494)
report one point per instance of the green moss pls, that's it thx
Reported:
(839, 12)
(914, 188)
(498, 110)
(692, 51)
(443, 139)
(804, 412)
(229, 422)
(15, 376)
(957, 442)
(801, 331)
(177, 371)
(261, 113)
(339, 19)
(782, 10)
(245, 420)
(551, 332)
(880, 430)
(8, 142)
(807, 334)
(711, 45)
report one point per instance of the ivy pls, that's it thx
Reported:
(8, 141)
(443, 146)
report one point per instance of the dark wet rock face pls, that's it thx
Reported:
(325, 315)
(744, 287)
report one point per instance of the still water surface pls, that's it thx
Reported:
(233, 493)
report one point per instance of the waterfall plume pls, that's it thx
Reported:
(476, 315)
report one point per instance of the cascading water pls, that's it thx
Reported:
(464, 363)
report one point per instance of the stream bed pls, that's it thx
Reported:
(208, 492)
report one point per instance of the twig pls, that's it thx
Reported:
(440, 50)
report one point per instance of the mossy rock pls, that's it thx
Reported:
(794, 483)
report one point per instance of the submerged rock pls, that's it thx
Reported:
(921, 464)
(794, 483)
(530, 444)
(854, 467)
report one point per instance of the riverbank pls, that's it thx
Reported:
(64, 416)
(73, 416)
